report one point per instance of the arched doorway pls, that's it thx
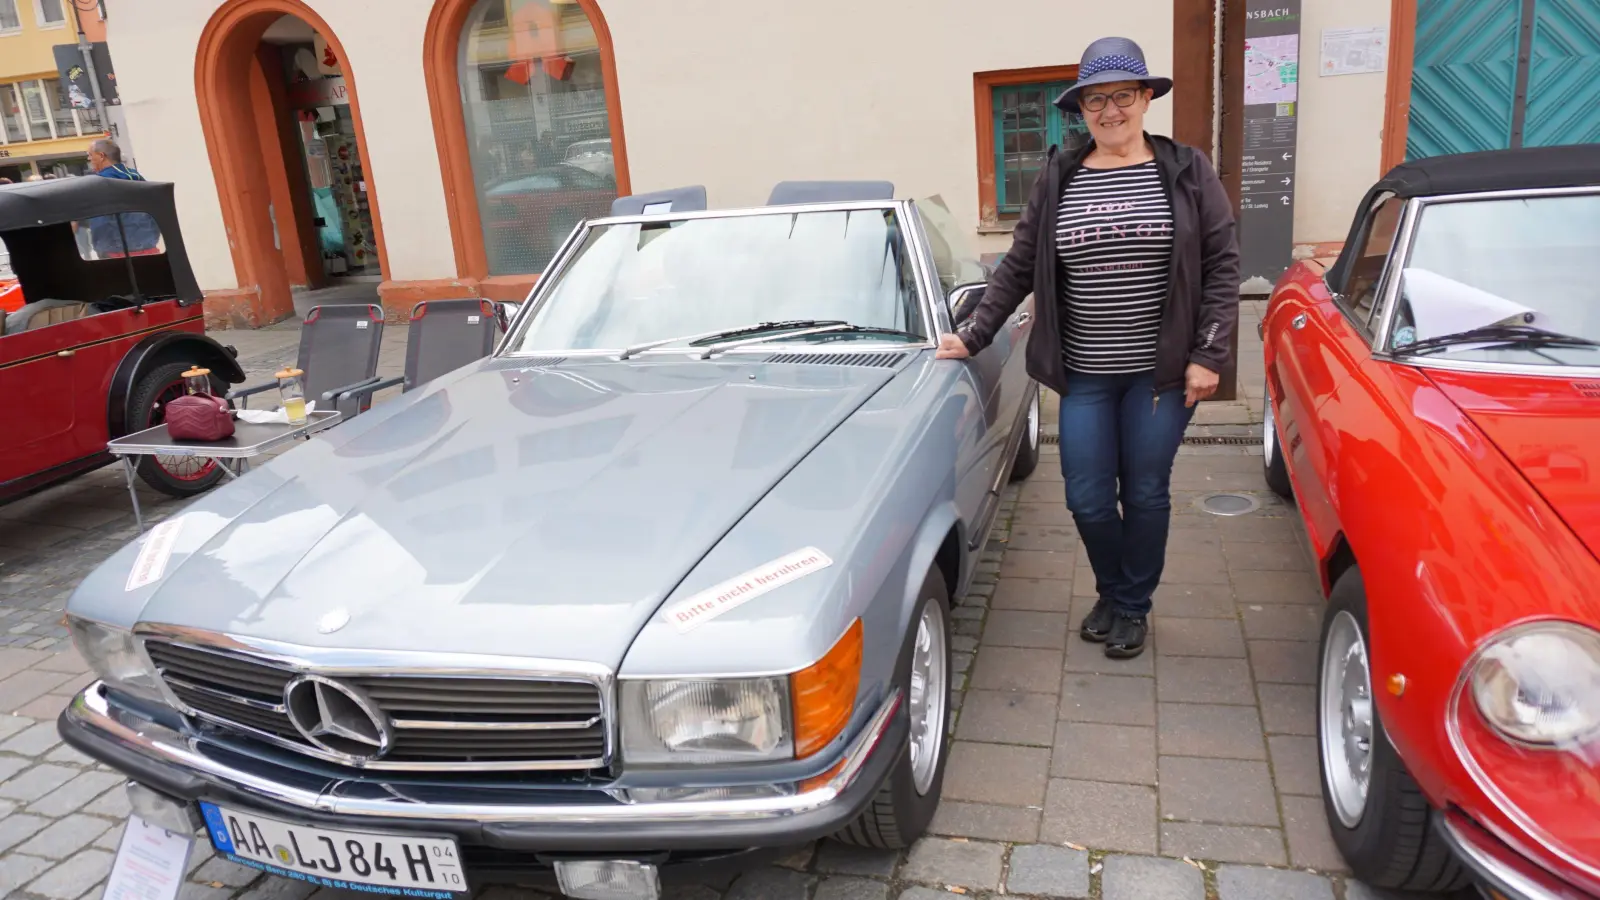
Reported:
(528, 123)
(282, 123)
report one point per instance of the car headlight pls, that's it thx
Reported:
(729, 720)
(706, 721)
(117, 657)
(1540, 684)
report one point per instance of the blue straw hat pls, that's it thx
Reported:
(1108, 60)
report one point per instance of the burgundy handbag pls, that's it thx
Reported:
(199, 418)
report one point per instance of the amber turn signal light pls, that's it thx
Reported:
(824, 693)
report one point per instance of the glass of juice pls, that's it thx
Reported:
(292, 388)
(197, 381)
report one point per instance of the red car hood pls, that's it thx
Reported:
(1550, 430)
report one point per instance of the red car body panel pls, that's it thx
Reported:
(76, 360)
(1469, 503)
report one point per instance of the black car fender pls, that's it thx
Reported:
(156, 349)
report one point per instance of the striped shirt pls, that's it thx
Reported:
(1114, 240)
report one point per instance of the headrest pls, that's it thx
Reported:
(683, 199)
(787, 192)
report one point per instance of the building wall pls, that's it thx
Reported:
(1341, 124)
(732, 95)
(156, 76)
(27, 55)
(764, 92)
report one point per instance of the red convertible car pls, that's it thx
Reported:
(1433, 407)
(100, 344)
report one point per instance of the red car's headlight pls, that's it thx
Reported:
(1539, 684)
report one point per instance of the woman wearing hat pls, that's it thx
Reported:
(1128, 247)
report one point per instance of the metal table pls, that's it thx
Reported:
(248, 441)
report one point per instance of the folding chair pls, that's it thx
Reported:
(444, 336)
(787, 192)
(338, 352)
(683, 199)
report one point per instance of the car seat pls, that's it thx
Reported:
(44, 313)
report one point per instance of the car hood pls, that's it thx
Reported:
(1548, 429)
(516, 510)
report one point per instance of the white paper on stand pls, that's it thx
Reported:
(1441, 305)
(150, 863)
(271, 417)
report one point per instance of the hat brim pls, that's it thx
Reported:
(1068, 101)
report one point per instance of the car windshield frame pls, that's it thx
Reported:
(1389, 291)
(919, 256)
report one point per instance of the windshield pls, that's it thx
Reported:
(632, 284)
(1508, 280)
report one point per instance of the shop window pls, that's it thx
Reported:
(51, 15)
(9, 20)
(538, 127)
(1019, 122)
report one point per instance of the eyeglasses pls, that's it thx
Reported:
(1123, 98)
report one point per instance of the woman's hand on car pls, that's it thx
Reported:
(951, 347)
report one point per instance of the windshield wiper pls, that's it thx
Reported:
(875, 329)
(1498, 334)
(757, 328)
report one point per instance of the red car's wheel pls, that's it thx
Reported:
(180, 476)
(1376, 811)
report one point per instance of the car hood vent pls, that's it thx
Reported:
(871, 360)
(509, 363)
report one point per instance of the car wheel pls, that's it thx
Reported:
(1028, 451)
(1274, 467)
(905, 803)
(179, 476)
(1378, 815)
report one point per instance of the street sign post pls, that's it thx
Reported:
(1267, 167)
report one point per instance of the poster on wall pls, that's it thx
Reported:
(1354, 51)
(1271, 107)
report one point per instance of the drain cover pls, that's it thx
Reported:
(1229, 504)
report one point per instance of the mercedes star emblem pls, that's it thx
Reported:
(333, 621)
(337, 718)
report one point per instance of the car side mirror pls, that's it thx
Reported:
(964, 298)
(506, 311)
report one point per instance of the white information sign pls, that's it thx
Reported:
(150, 863)
(690, 612)
(1354, 51)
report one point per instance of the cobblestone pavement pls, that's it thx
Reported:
(1187, 773)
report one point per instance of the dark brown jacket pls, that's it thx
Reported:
(1202, 305)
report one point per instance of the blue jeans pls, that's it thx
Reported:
(1118, 443)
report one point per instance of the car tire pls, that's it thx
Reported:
(1028, 451)
(1274, 468)
(176, 476)
(1382, 831)
(905, 803)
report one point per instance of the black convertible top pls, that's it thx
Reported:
(35, 219)
(1526, 168)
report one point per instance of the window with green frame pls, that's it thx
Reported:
(1026, 124)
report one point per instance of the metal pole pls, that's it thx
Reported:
(88, 67)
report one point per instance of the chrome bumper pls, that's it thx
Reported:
(92, 724)
(1499, 868)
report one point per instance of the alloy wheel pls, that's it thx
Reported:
(1269, 430)
(1345, 707)
(929, 662)
(1033, 420)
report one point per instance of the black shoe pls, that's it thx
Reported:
(1097, 624)
(1127, 637)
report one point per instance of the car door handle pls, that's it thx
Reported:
(66, 353)
(1022, 320)
(1298, 322)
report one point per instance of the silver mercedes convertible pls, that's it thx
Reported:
(660, 586)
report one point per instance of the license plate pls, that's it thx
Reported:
(394, 864)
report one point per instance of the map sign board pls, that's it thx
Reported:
(1267, 169)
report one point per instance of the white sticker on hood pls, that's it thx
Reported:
(153, 556)
(690, 612)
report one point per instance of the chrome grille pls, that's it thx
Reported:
(438, 721)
